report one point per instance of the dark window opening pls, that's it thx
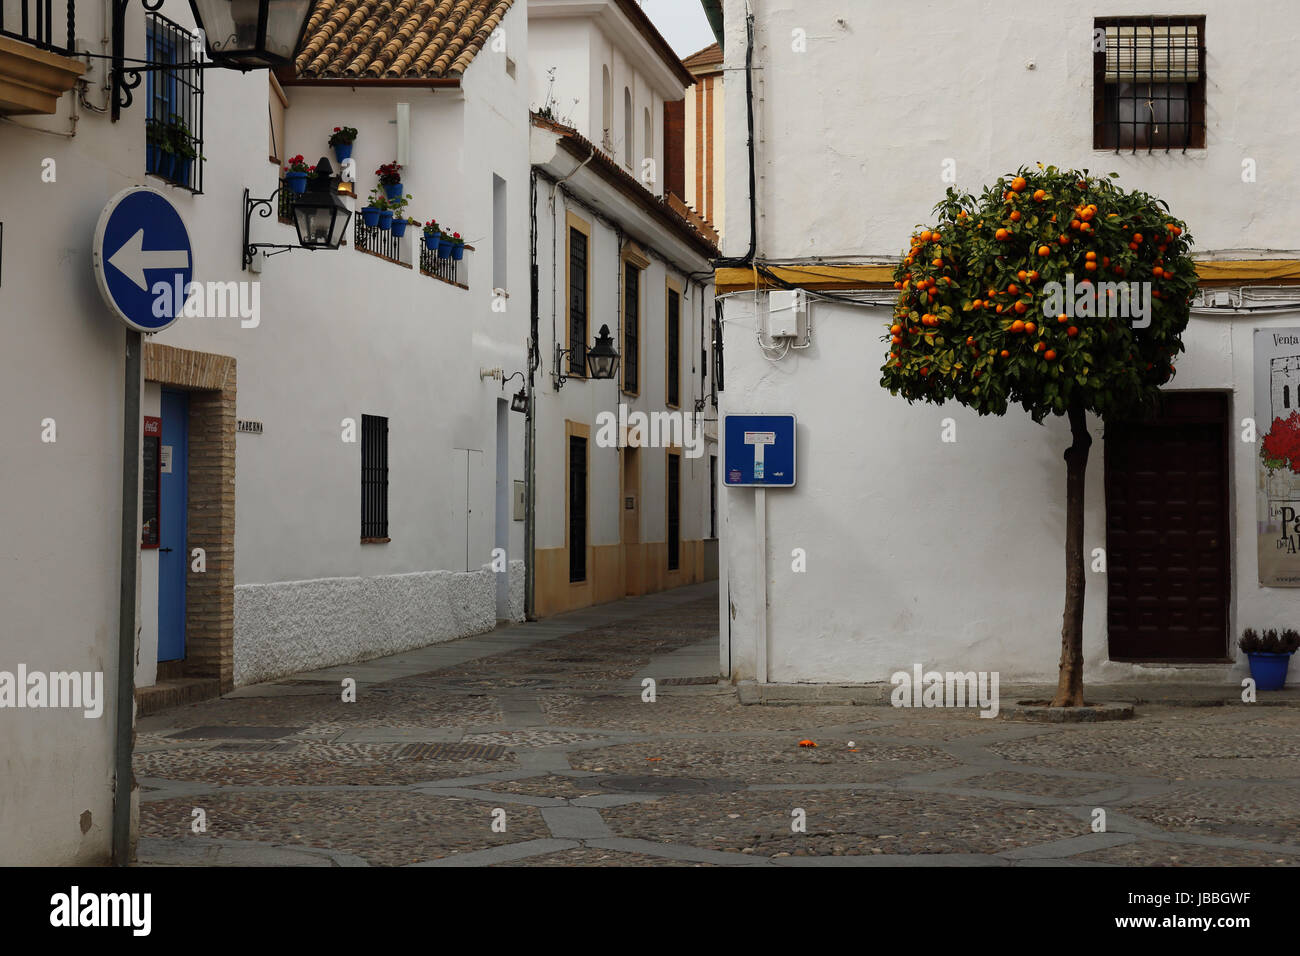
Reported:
(631, 328)
(174, 118)
(674, 512)
(1286, 396)
(1149, 84)
(717, 353)
(674, 347)
(374, 477)
(577, 508)
(577, 303)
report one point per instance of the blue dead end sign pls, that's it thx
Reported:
(140, 244)
(758, 451)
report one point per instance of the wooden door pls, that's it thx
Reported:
(1167, 544)
(633, 582)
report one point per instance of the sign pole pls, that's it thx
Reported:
(125, 714)
(760, 584)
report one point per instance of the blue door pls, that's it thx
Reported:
(173, 484)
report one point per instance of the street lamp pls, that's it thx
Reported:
(519, 402)
(248, 34)
(320, 216)
(602, 359)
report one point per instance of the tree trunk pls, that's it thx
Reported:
(1069, 687)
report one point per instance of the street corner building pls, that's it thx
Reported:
(925, 533)
(350, 323)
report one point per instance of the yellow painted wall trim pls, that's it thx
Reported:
(1213, 272)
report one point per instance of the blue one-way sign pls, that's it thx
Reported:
(758, 451)
(141, 240)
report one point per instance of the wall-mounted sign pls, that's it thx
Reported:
(248, 427)
(520, 507)
(151, 468)
(141, 240)
(1277, 461)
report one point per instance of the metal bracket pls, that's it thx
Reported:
(264, 208)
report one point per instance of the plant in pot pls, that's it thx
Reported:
(457, 246)
(155, 143)
(183, 151)
(431, 234)
(296, 173)
(342, 139)
(397, 207)
(444, 245)
(370, 211)
(1270, 655)
(385, 207)
(390, 177)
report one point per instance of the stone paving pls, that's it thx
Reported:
(534, 746)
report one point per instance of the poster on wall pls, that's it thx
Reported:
(1277, 464)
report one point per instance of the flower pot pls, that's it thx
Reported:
(166, 161)
(181, 169)
(1269, 670)
(370, 216)
(152, 156)
(296, 181)
(385, 219)
(393, 191)
(399, 227)
(343, 152)
(431, 242)
(458, 251)
(444, 248)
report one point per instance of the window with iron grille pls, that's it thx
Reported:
(674, 511)
(631, 328)
(374, 478)
(717, 353)
(577, 303)
(577, 508)
(1149, 83)
(674, 347)
(174, 121)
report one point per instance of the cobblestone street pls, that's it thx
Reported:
(543, 727)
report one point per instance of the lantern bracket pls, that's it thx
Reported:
(264, 208)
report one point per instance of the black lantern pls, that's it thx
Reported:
(602, 360)
(249, 34)
(320, 216)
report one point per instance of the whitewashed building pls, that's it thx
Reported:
(951, 554)
(626, 511)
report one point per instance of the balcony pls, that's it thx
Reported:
(36, 67)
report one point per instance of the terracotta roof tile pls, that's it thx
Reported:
(395, 39)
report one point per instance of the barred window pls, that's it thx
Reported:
(674, 347)
(174, 119)
(1149, 83)
(577, 303)
(374, 478)
(631, 328)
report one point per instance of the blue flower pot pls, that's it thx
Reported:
(343, 152)
(181, 169)
(399, 227)
(444, 248)
(1269, 670)
(152, 155)
(296, 181)
(431, 242)
(458, 251)
(166, 161)
(370, 216)
(393, 191)
(385, 219)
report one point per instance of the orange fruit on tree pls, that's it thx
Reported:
(1090, 256)
(1013, 289)
(1050, 355)
(1064, 240)
(1002, 235)
(1015, 215)
(1018, 184)
(1090, 266)
(1072, 331)
(1021, 308)
(1074, 224)
(1039, 195)
(970, 340)
(1022, 275)
(1030, 328)
(1137, 237)
(1017, 326)
(895, 329)
(1044, 251)
(1062, 318)
(1033, 273)
(925, 235)
(1004, 353)
(937, 263)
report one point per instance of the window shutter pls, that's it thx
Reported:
(1153, 54)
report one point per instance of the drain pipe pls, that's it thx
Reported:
(125, 712)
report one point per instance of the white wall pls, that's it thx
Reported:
(952, 554)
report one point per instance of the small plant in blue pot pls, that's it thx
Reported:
(370, 211)
(457, 246)
(1270, 655)
(183, 148)
(385, 212)
(296, 173)
(342, 139)
(444, 245)
(399, 226)
(431, 234)
(155, 138)
(390, 177)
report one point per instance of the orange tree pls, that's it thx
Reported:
(1056, 291)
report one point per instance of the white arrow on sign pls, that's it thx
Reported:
(131, 259)
(759, 440)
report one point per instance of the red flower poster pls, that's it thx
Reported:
(1277, 462)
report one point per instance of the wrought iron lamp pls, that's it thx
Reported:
(320, 216)
(602, 359)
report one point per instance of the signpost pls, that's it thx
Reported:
(140, 240)
(758, 451)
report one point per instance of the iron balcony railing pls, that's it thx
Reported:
(40, 23)
(449, 270)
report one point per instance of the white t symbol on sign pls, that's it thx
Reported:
(759, 440)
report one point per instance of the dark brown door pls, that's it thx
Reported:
(1167, 546)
